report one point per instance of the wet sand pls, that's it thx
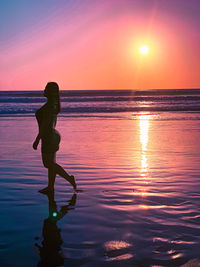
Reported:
(140, 199)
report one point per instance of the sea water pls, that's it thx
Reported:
(135, 155)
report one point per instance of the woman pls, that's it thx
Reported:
(46, 117)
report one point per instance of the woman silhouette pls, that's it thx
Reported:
(46, 117)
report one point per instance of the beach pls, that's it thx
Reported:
(113, 87)
(139, 205)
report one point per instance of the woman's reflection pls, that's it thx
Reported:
(50, 251)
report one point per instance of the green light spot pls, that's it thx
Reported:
(54, 214)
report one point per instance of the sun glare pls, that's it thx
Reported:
(144, 49)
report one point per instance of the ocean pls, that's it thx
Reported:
(107, 102)
(135, 156)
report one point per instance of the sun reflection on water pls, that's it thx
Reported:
(144, 123)
(144, 131)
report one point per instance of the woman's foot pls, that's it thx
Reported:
(73, 182)
(46, 190)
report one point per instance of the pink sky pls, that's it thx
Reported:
(96, 46)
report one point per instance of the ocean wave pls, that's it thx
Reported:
(91, 109)
(101, 101)
(169, 99)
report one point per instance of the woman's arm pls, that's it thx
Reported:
(36, 142)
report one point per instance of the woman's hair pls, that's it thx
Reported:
(52, 93)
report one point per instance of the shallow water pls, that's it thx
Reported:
(141, 192)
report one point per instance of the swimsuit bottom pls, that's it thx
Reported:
(50, 143)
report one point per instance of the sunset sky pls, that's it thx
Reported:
(95, 44)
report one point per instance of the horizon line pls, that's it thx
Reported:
(124, 89)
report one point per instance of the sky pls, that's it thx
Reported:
(94, 44)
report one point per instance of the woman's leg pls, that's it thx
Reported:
(53, 169)
(51, 172)
(49, 159)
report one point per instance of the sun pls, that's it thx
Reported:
(144, 49)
